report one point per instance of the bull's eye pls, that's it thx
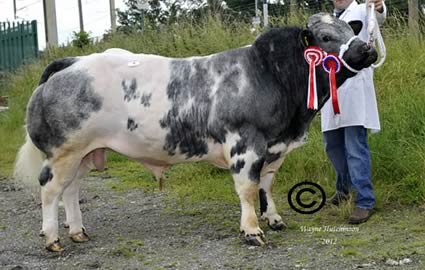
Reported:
(327, 38)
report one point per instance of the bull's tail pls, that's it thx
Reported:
(28, 166)
(56, 66)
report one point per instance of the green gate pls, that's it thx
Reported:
(18, 44)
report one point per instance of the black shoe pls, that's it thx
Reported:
(338, 198)
(360, 215)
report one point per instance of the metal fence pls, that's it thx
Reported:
(18, 44)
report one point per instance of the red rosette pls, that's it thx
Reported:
(314, 57)
(332, 65)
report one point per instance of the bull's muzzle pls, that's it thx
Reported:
(361, 56)
(370, 54)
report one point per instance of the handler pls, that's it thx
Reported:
(345, 134)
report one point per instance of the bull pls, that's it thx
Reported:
(243, 109)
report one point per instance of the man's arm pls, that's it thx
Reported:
(380, 10)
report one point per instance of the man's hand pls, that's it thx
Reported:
(379, 5)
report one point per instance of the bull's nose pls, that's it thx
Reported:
(372, 56)
(372, 52)
(367, 48)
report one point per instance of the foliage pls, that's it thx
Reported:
(81, 39)
(163, 12)
(397, 151)
(154, 13)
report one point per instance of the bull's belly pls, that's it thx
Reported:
(148, 148)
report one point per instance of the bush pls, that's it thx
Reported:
(81, 39)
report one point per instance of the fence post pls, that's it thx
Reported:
(22, 38)
(414, 17)
(50, 23)
(8, 50)
(293, 8)
(1, 46)
(114, 16)
(34, 35)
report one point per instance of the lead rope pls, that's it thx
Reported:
(374, 33)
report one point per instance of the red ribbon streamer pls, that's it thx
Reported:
(332, 64)
(312, 89)
(334, 95)
(314, 57)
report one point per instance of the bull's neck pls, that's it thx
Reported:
(282, 55)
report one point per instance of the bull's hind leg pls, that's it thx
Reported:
(71, 197)
(267, 207)
(61, 171)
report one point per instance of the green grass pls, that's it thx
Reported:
(398, 151)
(129, 248)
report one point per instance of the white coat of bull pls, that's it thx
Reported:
(243, 109)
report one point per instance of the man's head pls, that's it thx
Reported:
(341, 4)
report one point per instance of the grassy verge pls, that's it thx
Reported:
(397, 152)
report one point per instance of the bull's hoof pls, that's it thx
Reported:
(66, 225)
(41, 234)
(274, 221)
(277, 225)
(55, 246)
(256, 239)
(80, 237)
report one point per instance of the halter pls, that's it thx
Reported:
(331, 63)
(342, 50)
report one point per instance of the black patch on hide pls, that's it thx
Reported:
(238, 166)
(263, 201)
(130, 90)
(45, 176)
(131, 125)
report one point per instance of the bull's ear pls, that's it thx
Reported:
(306, 37)
(356, 26)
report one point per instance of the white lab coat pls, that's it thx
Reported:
(356, 97)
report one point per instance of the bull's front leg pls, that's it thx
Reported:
(246, 162)
(247, 191)
(267, 207)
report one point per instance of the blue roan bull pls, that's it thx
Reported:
(242, 109)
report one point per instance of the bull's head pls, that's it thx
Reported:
(330, 33)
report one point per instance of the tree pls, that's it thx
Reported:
(132, 18)
(157, 12)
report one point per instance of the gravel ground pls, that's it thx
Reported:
(139, 230)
